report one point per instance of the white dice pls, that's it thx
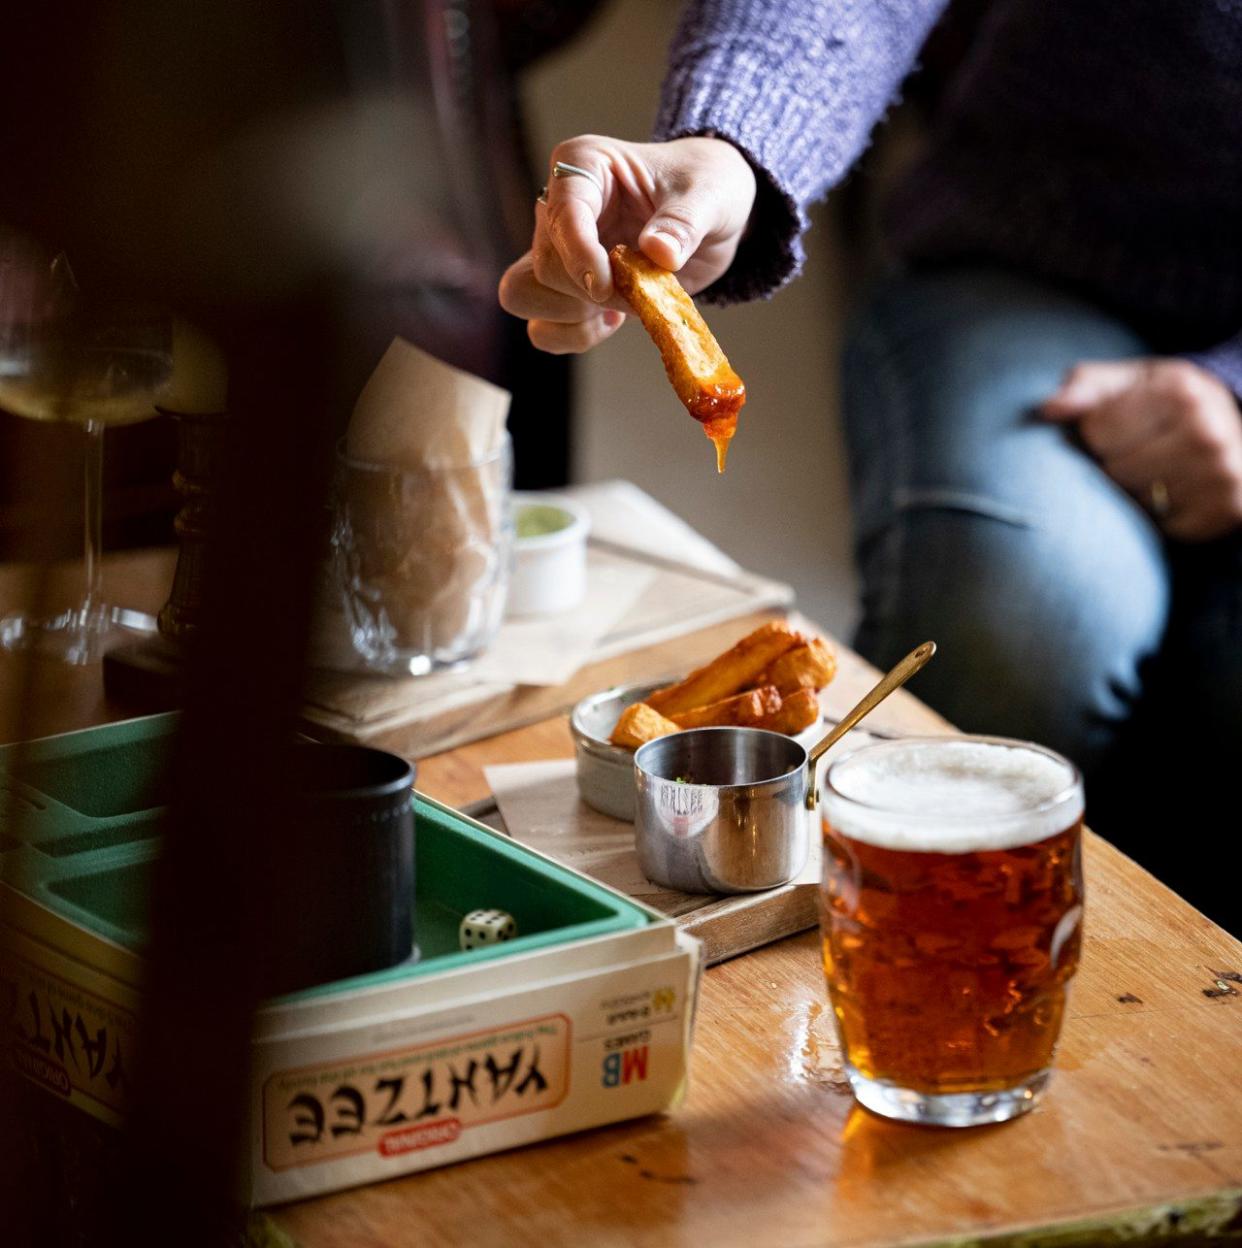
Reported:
(485, 927)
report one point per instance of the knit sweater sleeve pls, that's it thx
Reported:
(1224, 362)
(797, 86)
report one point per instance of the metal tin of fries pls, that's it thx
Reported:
(721, 810)
(606, 771)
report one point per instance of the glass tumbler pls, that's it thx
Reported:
(952, 906)
(423, 558)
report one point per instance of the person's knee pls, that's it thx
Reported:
(1042, 631)
(986, 528)
(942, 375)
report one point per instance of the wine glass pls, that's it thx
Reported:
(66, 358)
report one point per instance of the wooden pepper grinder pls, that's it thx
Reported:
(148, 673)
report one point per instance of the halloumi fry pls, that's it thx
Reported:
(804, 667)
(737, 669)
(744, 709)
(701, 374)
(639, 724)
(797, 711)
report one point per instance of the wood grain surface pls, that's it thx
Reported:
(1141, 1130)
(539, 805)
(1139, 1139)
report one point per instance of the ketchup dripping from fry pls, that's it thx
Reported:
(715, 406)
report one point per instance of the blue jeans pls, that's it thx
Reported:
(1061, 613)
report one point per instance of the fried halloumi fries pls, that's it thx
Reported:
(698, 369)
(747, 710)
(639, 724)
(770, 679)
(811, 666)
(737, 669)
(797, 711)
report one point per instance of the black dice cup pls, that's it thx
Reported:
(344, 887)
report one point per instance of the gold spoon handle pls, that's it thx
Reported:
(912, 663)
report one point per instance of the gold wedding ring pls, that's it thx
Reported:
(1158, 498)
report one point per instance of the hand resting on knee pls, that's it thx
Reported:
(1166, 431)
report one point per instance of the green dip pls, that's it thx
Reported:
(538, 519)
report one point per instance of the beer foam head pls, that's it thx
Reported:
(951, 796)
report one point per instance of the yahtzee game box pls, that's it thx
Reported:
(583, 1019)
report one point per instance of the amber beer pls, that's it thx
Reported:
(952, 893)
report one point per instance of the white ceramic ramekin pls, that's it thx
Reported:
(549, 569)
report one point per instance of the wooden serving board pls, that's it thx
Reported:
(538, 804)
(727, 926)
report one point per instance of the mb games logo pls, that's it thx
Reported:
(627, 1065)
(626, 1056)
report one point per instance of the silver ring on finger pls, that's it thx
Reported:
(1158, 498)
(562, 169)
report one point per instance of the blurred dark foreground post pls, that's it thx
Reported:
(173, 149)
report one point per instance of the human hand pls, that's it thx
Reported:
(1166, 431)
(684, 204)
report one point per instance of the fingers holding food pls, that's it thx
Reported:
(558, 322)
(703, 191)
(639, 724)
(545, 268)
(549, 268)
(738, 668)
(745, 710)
(558, 339)
(687, 200)
(523, 294)
(572, 231)
(579, 187)
(797, 712)
(698, 369)
(811, 666)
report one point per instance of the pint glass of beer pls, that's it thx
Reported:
(952, 907)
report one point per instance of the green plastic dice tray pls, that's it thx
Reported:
(80, 816)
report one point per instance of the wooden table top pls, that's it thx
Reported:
(1139, 1138)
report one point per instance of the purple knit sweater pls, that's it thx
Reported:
(1095, 143)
